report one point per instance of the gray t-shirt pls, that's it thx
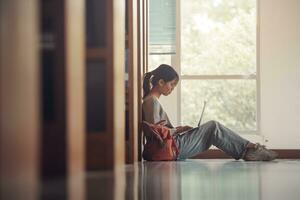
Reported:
(153, 112)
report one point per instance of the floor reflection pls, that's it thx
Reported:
(220, 180)
(160, 181)
(188, 180)
(201, 180)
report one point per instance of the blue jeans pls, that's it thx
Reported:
(201, 138)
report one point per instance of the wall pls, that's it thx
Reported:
(280, 73)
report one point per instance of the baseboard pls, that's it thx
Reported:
(218, 154)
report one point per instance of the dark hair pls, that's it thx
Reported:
(164, 72)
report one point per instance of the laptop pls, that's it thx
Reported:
(199, 123)
(204, 105)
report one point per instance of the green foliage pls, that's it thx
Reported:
(232, 102)
(218, 37)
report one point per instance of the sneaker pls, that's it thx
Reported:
(260, 153)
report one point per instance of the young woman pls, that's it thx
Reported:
(192, 141)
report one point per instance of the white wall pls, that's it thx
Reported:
(280, 72)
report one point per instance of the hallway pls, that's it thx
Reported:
(195, 179)
(71, 87)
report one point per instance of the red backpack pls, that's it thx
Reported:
(160, 144)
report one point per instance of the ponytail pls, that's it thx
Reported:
(164, 72)
(146, 84)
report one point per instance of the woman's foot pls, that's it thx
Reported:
(259, 153)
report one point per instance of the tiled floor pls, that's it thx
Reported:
(197, 179)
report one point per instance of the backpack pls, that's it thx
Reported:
(160, 145)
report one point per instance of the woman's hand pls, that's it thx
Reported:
(180, 129)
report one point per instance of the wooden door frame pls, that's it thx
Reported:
(133, 84)
(143, 13)
(106, 149)
(19, 99)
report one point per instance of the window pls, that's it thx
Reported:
(162, 32)
(217, 62)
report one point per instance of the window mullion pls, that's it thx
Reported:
(213, 77)
(177, 57)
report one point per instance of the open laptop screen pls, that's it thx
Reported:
(204, 105)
